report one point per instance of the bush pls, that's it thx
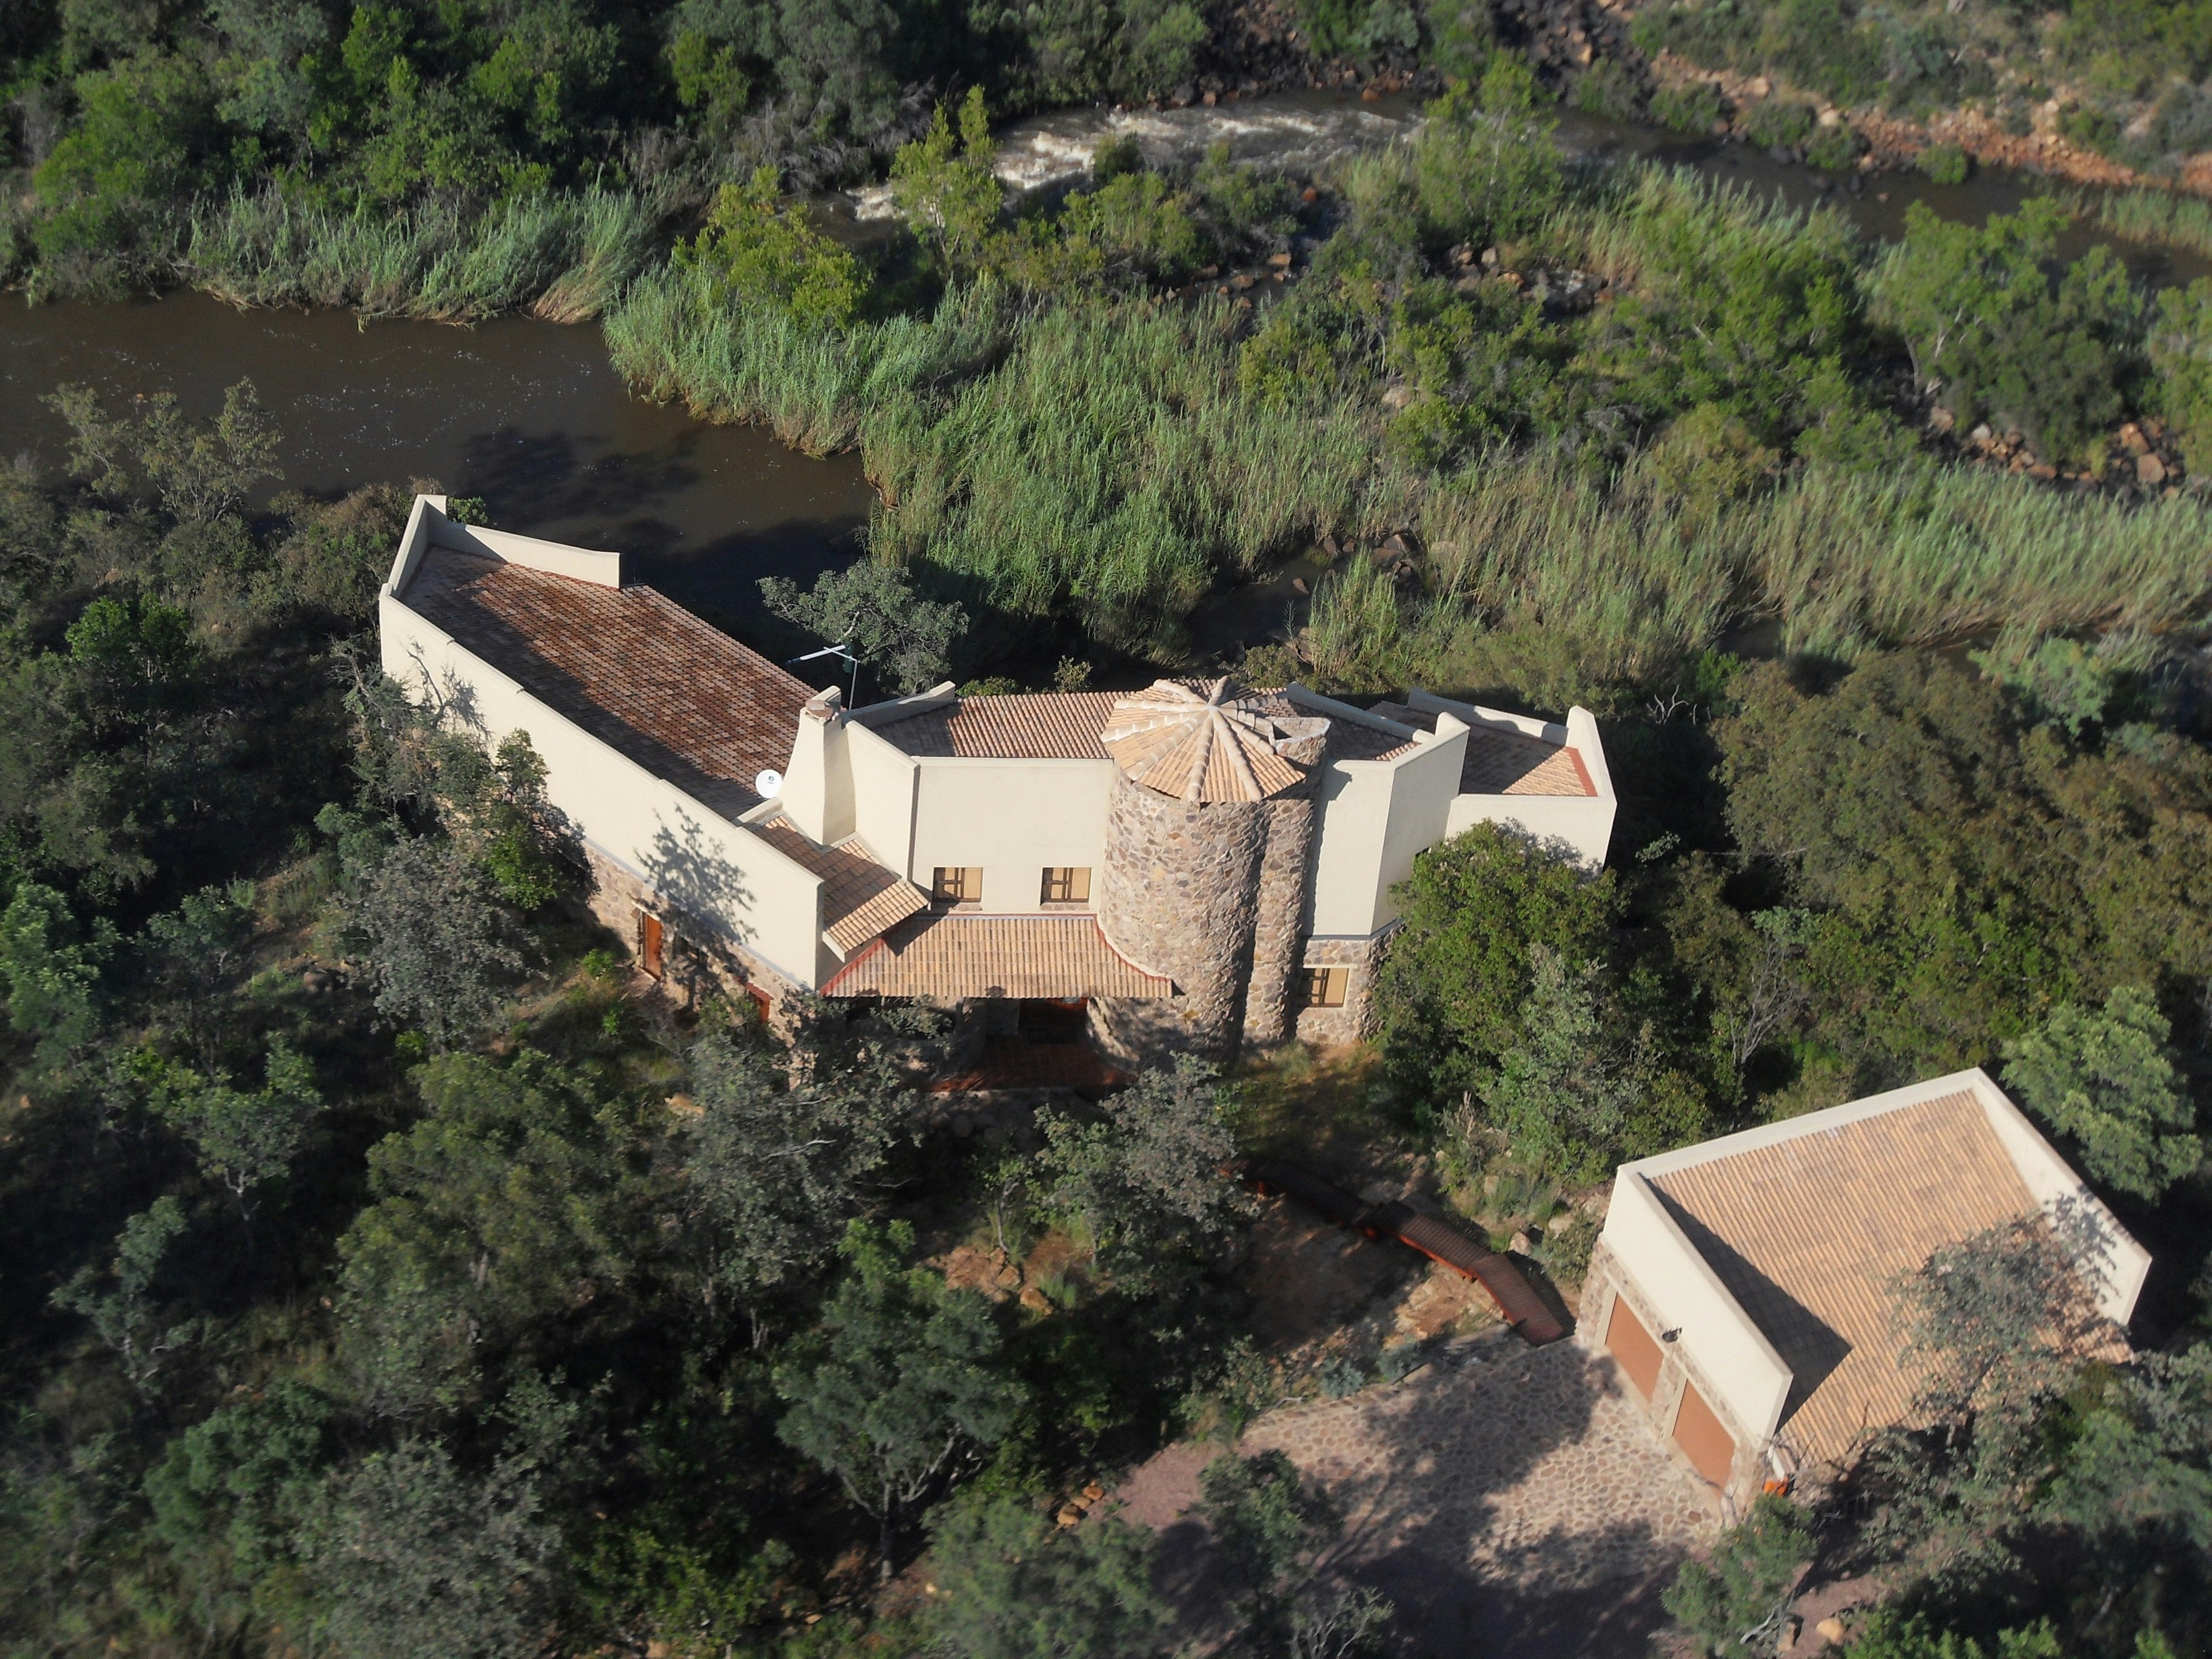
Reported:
(1946, 164)
(1778, 123)
(1692, 106)
(1833, 149)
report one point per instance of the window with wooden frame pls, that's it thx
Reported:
(1325, 987)
(957, 884)
(1065, 883)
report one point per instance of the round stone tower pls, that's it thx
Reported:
(1208, 837)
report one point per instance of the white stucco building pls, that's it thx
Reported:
(1200, 864)
(1744, 1284)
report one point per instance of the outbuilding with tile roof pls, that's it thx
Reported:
(1745, 1286)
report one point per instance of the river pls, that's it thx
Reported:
(531, 417)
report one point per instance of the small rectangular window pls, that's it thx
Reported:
(958, 884)
(1325, 987)
(1066, 884)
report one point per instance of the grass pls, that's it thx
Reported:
(562, 256)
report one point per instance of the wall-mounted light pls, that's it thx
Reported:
(1668, 1336)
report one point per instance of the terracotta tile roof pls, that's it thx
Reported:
(859, 897)
(1039, 726)
(635, 670)
(1501, 762)
(1806, 1234)
(1349, 740)
(952, 954)
(1213, 741)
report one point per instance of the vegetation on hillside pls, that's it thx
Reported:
(388, 1274)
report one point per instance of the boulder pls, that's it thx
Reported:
(2149, 470)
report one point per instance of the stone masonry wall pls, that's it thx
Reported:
(1178, 896)
(1355, 1021)
(1271, 1004)
(1603, 1284)
(695, 959)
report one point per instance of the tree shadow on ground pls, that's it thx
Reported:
(1515, 1505)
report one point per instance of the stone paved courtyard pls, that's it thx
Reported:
(1515, 1505)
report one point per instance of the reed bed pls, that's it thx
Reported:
(1092, 459)
(1843, 562)
(2156, 217)
(564, 257)
(1113, 467)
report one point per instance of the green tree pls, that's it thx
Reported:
(1996, 1328)
(902, 1385)
(411, 1555)
(2179, 348)
(1735, 1600)
(122, 1302)
(113, 187)
(1451, 987)
(199, 471)
(515, 1215)
(1961, 871)
(440, 947)
(776, 1167)
(1145, 1179)
(1567, 1088)
(245, 1139)
(1889, 1634)
(1981, 317)
(1268, 1524)
(1013, 1585)
(194, 952)
(2107, 1081)
(872, 608)
(754, 250)
(230, 1497)
(53, 974)
(943, 186)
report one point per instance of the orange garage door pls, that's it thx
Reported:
(1633, 1346)
(1699, 1431)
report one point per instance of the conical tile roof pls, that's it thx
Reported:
(1210, 741)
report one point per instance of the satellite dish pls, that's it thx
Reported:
(767, 783)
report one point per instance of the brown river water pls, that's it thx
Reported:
(530, 415)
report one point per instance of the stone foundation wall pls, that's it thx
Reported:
(1355, 1021)
(695, 960)
(1604, 1283)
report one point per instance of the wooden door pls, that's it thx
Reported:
(649, 940)
(1699, 1431)
(1636, 1348)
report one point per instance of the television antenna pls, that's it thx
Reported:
(845, 653)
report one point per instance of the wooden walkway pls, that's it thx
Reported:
(1527, 1312)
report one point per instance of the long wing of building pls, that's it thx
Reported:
(1203, 864)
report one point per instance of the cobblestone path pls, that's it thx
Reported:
(1514, 1505)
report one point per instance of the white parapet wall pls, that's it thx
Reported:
(1581, 823)
(1746, 1381)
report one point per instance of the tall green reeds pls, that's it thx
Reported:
(1093, 458)
(1112, 467)
(560, 256)
(1842, 560)
(816, 388)
(2154, 216)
